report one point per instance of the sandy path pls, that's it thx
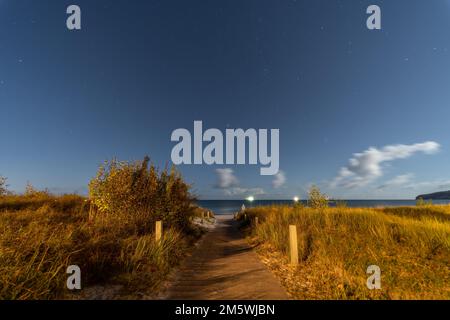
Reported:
(224, 266)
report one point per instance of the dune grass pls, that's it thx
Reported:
(36, 247)
(411, 245)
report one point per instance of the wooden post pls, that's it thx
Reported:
(293, 244)
(158, 232)
(207, 214)
(256, 221)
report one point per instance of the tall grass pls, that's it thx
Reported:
(36, 247)
(64, 203)
(336, 245)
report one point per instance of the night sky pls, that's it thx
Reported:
(363, 114)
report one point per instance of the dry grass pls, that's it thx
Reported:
(411, 245)
(36, 247)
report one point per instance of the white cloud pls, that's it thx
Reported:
(279, 180)
(230, 184)
(226, 178)
(365, 167)
(400, 180)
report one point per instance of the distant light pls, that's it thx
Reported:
(296, 199)
(250, 199)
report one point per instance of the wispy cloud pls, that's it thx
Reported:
(279, 180)
(365, 167)
(226, 178)
(430, 186)
(398, 181)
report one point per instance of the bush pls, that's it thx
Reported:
(32, 192)
(317, 199)
(137, 188)
(422, 203)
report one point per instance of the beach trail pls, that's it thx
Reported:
(224, 266)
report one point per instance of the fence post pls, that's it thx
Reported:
(158, 233)
(256, 221)
(293, 244)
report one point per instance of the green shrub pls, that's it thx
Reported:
(316, 198)
(137, 188)
(421, 202)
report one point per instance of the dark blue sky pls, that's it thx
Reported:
(140, 69)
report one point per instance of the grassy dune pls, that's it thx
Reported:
(36, 247)
(110, 236)
(411, 245)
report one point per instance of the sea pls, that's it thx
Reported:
(232, 206)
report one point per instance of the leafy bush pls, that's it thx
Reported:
(316, 198)
(137, 188)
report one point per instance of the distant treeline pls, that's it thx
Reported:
(443, 195)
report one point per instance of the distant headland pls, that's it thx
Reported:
(443, 195)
